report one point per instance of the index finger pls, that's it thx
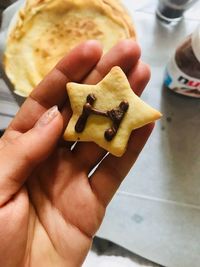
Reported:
(52, 90)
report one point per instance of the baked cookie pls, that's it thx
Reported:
(46, 30)
(107, 113)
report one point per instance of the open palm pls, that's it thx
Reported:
(50, 207)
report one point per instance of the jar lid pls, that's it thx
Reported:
(196, 43)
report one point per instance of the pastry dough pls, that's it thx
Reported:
(108, 95)
(46, 30)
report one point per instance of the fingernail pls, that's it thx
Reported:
(47, 117)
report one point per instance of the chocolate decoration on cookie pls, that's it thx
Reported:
(116, 115)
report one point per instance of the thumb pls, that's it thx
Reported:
(19, 157)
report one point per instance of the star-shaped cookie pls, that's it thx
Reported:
(107, 113)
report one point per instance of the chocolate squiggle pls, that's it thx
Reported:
(116, 115)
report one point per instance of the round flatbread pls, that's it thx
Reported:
(46, 30)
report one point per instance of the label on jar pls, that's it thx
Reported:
(179, 82)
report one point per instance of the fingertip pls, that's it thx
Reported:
(56, 127)
(48, 129)
(58, 124)
(139, 77)
(125, 54)
(92, 48)
(43, 137)
(80, 60)
(129, 47)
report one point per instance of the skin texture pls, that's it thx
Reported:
(49, 209)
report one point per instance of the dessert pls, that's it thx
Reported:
(46, 30)
(107, 113)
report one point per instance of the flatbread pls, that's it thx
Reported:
(46, 30)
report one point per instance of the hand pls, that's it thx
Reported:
(49, 209)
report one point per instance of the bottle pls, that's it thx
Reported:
(183, 70)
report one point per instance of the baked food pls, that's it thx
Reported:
(107, 113)
(46, 30)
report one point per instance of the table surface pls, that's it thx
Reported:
(156, 210)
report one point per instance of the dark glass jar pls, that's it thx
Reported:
(186, 59)
(183, 70)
